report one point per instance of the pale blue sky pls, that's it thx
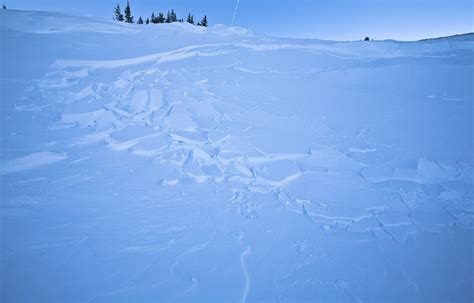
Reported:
(324, 19)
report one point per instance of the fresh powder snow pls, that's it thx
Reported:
(176, 163)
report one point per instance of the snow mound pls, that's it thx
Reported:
(52, 23)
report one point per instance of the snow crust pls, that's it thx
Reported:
(177, 163)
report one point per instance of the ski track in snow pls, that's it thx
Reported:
(247, 252)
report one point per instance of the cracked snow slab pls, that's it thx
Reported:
(216, 165)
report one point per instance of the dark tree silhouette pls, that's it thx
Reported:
(190, 19)
(173, 16)
(203, 21)
(128, 13)
(161, 18)
(118, 13)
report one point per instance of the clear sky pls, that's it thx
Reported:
(323, 19)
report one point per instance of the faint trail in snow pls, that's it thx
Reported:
(198, 247)
(235, 12)
(247, 252)
(31, 161)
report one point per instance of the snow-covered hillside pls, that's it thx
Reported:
(169, 162)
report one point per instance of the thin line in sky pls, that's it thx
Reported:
(235, 12)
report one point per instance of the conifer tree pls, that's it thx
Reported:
(203, 21)
(147, 21)
(173, 16)
(128, 13)
(4, 7)
(153, 18)
(161, 18)
(118, 13)
(140, 20)
(190, 19)
(168, 17)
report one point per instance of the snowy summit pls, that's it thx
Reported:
(177, 163)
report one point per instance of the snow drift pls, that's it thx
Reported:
(177, 163)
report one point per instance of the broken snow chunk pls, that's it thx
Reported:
(180, 119)
(277, 170)
(139, 101)
(156, 99)
(84, 113)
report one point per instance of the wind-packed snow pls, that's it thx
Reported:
(170, 162)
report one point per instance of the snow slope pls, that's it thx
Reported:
(176, 163)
